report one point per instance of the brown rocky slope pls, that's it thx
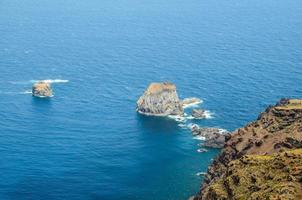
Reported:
(263, 160)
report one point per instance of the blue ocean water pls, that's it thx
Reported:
(87, 142)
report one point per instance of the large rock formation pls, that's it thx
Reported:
(160, 99)
(259, 160)
(41, 89)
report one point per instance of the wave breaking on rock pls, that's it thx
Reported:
(50, 81)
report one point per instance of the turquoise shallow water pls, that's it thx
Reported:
(87, 142)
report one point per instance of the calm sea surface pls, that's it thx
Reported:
(87, 142)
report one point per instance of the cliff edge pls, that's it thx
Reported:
(263, 160)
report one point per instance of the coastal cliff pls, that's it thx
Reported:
(160, 99)
(263, 160)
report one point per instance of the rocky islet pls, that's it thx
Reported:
(42, 89)
(161, 99)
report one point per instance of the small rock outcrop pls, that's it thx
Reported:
(213, 137)
(198, 113)
(190, 101)
(41, 89)
(263, 160)
(160, 99)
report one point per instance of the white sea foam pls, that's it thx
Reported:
(201, 173)
(194, 104)
(190, 117)
(26, 92)
(191, 125)
(223, 131)
(51, 81)
(18, 82)
(44, 96)
(177, 118)
(201, 150)
(208, 114)
(184, 126)
(198, 137)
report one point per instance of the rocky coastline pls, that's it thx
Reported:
(262, 160)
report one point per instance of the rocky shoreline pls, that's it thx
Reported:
(263, 160)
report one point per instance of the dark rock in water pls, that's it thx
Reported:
(216, 141)
(41, 89)
(214, 137)
(198, 113)
(160, 99)
(195, 129)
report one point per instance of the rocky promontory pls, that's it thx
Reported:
(42, 89)
(160, 99)
(263, 160)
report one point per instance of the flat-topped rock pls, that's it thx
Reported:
(41, 89)
(156, 88)
(160, 99)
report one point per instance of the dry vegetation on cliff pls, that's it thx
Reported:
(259, 161)
(276, 176)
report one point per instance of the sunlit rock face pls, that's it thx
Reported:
(42, 89)
(160, 99)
